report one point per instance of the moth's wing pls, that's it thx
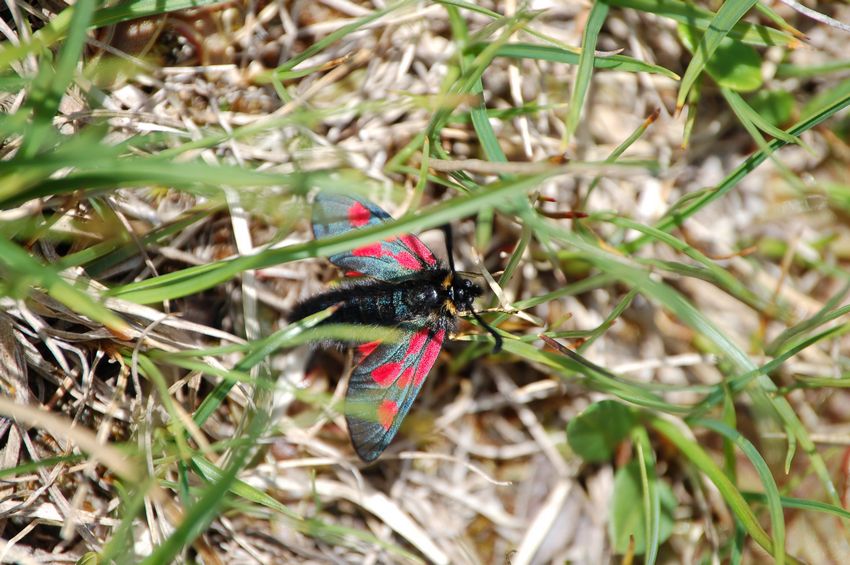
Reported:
(394, 258)
(384, 384)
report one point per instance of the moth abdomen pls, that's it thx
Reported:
(376, 303)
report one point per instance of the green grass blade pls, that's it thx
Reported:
(59, 26)
(651, 496)
(727, 16)
(331, 38)
(197, 518)
(618, 152)
(484, 129)
(257, 355)
(568, 364)
(827, 314)
(597, 16)
(212, 474)
(195, 279)
(22, 272)
(686, 312)
(691, 14)
(774, 504)
(745, 115)
(802, 504)
(719, 275)
(134, 172)
(741, 108)
(49, 87)
(703, 461)
(692, 203)
(562, 55)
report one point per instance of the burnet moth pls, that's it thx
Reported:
(400, 284)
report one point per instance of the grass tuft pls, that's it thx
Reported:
(653, 192)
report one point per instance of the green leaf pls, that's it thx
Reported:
(775, 106)
(595, 433)
(721, 24)
(733, 64)
(628, 518)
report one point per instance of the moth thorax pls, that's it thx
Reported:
(427, 297)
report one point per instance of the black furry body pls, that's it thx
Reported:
(434, 294)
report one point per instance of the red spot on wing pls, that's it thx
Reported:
(377, 250)
(419, 339)
(358, 215)
(405, 378)
(385, 374)
(354, 274)
(366, 348)
(420, 249)
(387, 411)
(370, 250)
(407, 261)
(432, 350)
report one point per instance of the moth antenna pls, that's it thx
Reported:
(496, 337)
(449, 239)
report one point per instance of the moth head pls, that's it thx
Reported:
(464, 292)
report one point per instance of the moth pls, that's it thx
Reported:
(398, 283)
